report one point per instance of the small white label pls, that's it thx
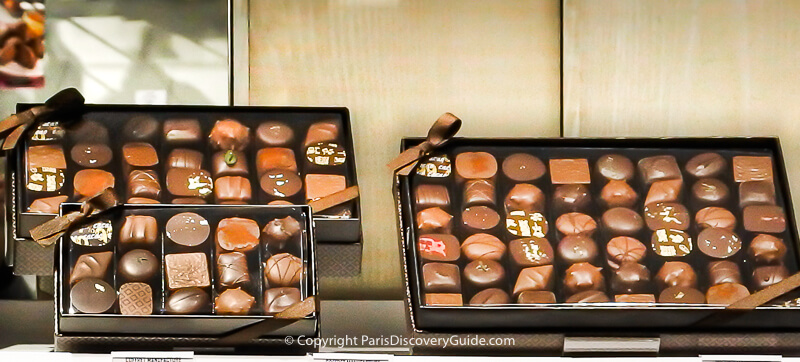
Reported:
(150, 96)
(741, 358)
(144, 356)
(351, 357)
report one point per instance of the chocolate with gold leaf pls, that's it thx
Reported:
(186, 270)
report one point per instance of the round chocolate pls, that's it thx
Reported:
(573, 197)
(676, 274)
(138, 265)
(234, 301)
(530, 252)
(574, 223)
(237, 234)
(274, 134)
(90, 182)
(188, 301)
(485, 274)
(718, 243)
(283, 270)
(490, 296)
(480, 217)
(706, 165)
(625, 249)
(665, 215)
(91, 155)
(615, 167)
(141, 128)
(92, 296)
(281, 183)
(671, 243)
(483, 246)
(589, 296)
(229, 134)
(524, 197)
(715, 217)
(522, 167)
(630, 278)
(277, 300)
(764, 276)
(682, 295)
(622, 221)
(577, 248)
(617, 193)
(723, 271)
(583, 276)
(278, 231)
(765, 248)
(187, 229)
(726, 293)
(710, 191)
(473, 165)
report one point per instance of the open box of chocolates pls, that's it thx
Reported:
(544, 234)
(171, 270)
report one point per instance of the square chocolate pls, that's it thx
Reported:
(139, 155)
(318, 185)
(229, 163)
(138, 229)
(275, 158)
(135, 299)
(764, 219)
(182, 131)
(233, 188)
(658, 168)
(756, 193)
(752, 168)
(185, 158)
(441, 278)
(570, 171)
(187, 270)
(431, 196)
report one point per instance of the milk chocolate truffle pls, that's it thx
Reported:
(476, 165)
(187, 182)
(144, 183)
(659, 168)
(582, 277)
(322, 132)
(723, 271)
(141, 128)
(91, 155)
(624, 249)
(138, 229)
(187, 229)
(47, 205)
(764, 219)
(484, 274)
(530, 252)
(681, 295)
(764, 276)
(479, 192)
(664, 191)
(570, 171)
(229, 134)
(483, 246)
(234, 301)
(233, 188)
(575, 223)
(277, 300)
(92, 265)
(568, 198)
(138, 265)
(139, 155)
(434, 220)
(671, 243)
(135, 299)
(490, 296)
(188, 301)
(444, 299)
(765, 248)
(622, 221)
(617, 193)
(319, 185)
(441, 278)
(283, 270)
(426, 196)
(666, 215)
(715, 217)
(752, 168)
(281, 183)
(186, 270)
(615, 167)
(635, 298)
(676, 274)
(280, 231)
(534, 278)
(182, 131)
(589, 296)
(718, 242)
(577, 248)
(726, 293)
(439, 247)
(97, 233)
(185, 158)
(756, 193)
(274, 134)
(710, 191)
(630, 278)
(480, 217)
(232, 269)
(708, 164)
(275, 158)
(229, 163)
(524, 197)
(92, 296)
(88, 131)
(237, 234)
(90, 182)
(536, 297)
(523, 224)
(523, 167)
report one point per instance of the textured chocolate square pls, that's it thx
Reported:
(139, 229)
(187, 270)
(570, 171)
(136, 299)
(657, 168)
(318, 186)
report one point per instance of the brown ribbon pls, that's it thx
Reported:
(280, 320)
(440, 133)
(336, 198)
(769, 293)
(49, 232)
(65, 103)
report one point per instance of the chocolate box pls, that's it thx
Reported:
(546, 325)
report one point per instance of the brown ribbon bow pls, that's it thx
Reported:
(440, 133)
(49, 232)
(63, 104)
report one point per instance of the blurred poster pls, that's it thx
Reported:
(22, 40)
